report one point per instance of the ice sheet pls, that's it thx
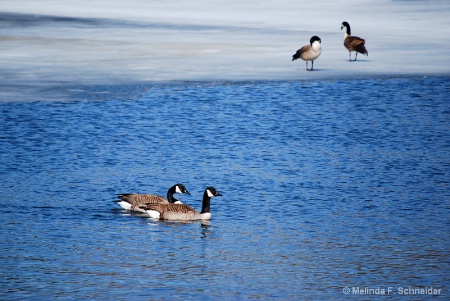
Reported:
(51, 43)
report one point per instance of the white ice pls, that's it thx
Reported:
(140, 41)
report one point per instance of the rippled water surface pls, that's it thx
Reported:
(326, 185)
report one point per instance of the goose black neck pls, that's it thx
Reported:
(206, 205)
(348, 30)
(170, 193)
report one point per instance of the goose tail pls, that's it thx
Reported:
(123, 204)
(153, 210)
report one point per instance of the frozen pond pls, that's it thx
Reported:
(75, 43)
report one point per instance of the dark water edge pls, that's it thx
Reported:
(11, 91)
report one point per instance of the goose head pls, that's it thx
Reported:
(347, 27)
(315, 39)
(177, 188)
(315, 42)
(212, 192)
(180, 188)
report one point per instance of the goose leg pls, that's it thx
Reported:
(356, 55)
(312, 65)
(349, 56)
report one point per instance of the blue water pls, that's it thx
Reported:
(327, 185)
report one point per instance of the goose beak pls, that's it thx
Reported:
(187, 192)
(342, 26)
(219, 194)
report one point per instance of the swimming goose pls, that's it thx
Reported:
(309, 52)
(353, 43)
(182, 212)
(129, 201)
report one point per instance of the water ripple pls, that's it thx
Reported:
(326, 184)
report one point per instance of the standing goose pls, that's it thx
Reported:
(353, 43)
(182, 212)
(309, 52)
(131, 202)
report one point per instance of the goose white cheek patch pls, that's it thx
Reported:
(178, 190)
(211, 195)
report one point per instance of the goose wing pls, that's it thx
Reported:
(139, 199)
(173, 211)
(300, 52)
(353, 43)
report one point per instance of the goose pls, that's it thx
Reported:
(309, 52)
(130, 201)
(182, 212)
(353, 43)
